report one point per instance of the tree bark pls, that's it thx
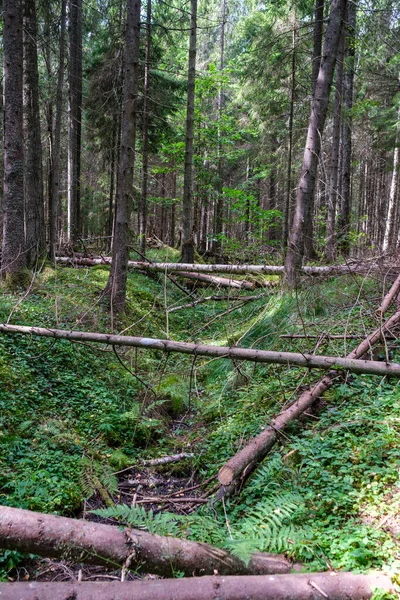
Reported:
(145, 163)
(319, 107)
(334, 162)
(309, 361)
(33, 182)
(394, 186)
(187, 253)
(305, 586)
(95, 543)
(55, 179)
(13, 246)
(116, 285)
(348, 85)
(74, 118)
(288, 191)
(240, 466)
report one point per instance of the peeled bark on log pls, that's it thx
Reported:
(166, 460)
(95, 543)
(309, 361)
(307, 586)
(219, 281)
(325, 271)
(239, 467)
(386, 302)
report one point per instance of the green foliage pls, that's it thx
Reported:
(136, 516)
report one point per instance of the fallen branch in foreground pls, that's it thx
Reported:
(166, 460)
(218, 281)
(310, 361)
(239, 467)
(95, 543)
(231, 269)
(307, 586)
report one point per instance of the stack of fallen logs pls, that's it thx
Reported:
(210, 573)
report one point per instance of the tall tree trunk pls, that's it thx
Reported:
(348, 85)
(394, 185)
(219, 202)
(145, 164)
(74, 118)
(288, 192)
(13, 247)
(110, 219)
(187, 254)
(55, 182)
(312, 149)
(116, 284)
(33, 183)
(316, 63)
(334, 163)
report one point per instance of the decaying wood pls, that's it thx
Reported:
(239, 467)
(95, 543)
(311, 361)
(324, 271)
(307, 586)
(166, 460)
(218, 281)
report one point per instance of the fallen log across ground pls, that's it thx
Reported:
(239, 467)
(95, 543)
(310, 361)
(307, 586)
(219, 281)
(323, 271)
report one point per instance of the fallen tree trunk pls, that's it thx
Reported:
(307, 586)
(311, 361)
(218, 281)
(231, 269)
(95, 543)
(239, 467)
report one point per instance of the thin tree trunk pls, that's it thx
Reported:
(306, 586)
(55, 187)
(290, 142)
(145, 164)
(334, 163)
(74, 118)
(319, 109)
(110, 219)
(219, 202)
(351, 363)
(13, 248)
(394, 185)
(33, 181)
(187, 255)
(348, 85)
(116, 285)
(95, 543)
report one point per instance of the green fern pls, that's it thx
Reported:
(136, 516)
(270, 526)
(94, 471)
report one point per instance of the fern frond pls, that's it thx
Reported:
(136, 516)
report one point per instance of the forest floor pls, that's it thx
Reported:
(76, 421)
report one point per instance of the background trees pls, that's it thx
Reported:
(254, 75)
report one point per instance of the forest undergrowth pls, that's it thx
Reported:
(73, 416)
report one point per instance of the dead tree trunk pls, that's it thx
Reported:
(312, 149)
(309, 361)
(325, 271)
(305, 586)
(239, 467)
(95, 543)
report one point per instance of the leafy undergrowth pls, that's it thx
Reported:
(72, 415)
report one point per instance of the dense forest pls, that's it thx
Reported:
(200, 212)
